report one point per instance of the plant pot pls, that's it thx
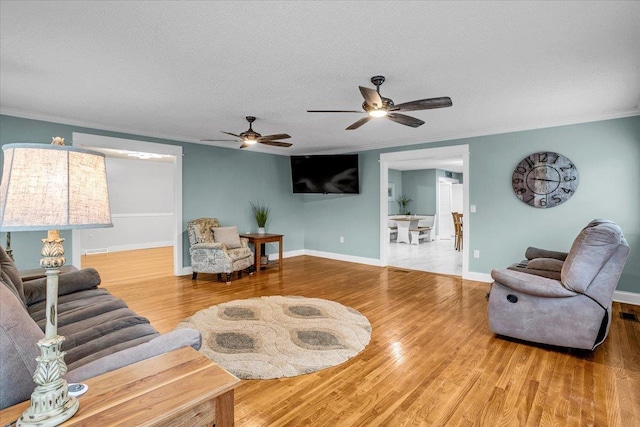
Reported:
(260, 230)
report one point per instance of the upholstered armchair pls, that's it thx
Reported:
(216, 249)
(561, 299)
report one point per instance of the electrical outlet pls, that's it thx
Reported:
(473, 208)
(341, 239)
(476, 253)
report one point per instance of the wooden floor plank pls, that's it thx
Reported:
(432, 359)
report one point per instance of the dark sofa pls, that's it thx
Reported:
(101, 332)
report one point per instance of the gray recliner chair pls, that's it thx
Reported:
(561, 299)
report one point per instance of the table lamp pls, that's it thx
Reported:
(52, 187)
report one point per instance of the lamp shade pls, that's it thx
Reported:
(53, 187)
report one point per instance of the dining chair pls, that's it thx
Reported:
(457, 223)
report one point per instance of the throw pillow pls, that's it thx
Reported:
(227, 235)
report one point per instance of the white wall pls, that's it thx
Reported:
(141, 196)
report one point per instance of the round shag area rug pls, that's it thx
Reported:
(279, 336)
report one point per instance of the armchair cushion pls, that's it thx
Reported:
(591, 250)
(227, 235)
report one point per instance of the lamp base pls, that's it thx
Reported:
(51, 404)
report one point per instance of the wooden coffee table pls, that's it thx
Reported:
(180, 388)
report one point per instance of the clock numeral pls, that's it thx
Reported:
(543, 202)
(521, 170)
(567, 190)
(566, 168)
(542, 157)
(556, 159)
(557, 199)
(530, 200)
(530, 162)
(521, 191)
(570, 178)
(518, 181)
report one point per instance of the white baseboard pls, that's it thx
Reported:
(134, 247)
(478, 277)
(626, 297)
(342, 257)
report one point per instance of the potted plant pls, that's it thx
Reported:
(403, 201)
(261, 212)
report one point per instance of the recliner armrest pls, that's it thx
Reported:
(531, 284)
(532, 253)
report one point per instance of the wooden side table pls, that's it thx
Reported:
(258, 241)
(180, 388)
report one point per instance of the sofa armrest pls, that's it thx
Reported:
(532, 253)
(531, 284)
(68, 283)
(163, 344)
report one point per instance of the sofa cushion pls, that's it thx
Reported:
(10, 276)
(94, 323)
(227, 235)
(19, 335)
(68, 283)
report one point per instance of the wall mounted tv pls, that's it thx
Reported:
(325, 174)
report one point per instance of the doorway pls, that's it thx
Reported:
(90, 141)
(424, 159)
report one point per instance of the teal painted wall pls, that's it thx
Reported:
(420, 186)
(606, 153)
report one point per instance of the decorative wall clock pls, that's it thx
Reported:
(545, 179)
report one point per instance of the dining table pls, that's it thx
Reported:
(404, 225)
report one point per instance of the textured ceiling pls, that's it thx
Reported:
(188, 70)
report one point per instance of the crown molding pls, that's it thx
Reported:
(402, 143)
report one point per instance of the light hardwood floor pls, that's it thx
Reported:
(432, 359)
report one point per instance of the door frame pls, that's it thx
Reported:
(439, 152)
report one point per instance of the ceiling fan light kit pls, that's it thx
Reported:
(251, 137)
(377, 106)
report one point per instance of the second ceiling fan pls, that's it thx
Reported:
(250, 137)
(376, 105)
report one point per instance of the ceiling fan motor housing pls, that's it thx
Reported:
(386, 104)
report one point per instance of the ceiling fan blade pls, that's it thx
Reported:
(359, 123)
(219, 140)
(272, 137)
(405, 120)
(276, 143)
(371, 96)
(423, 104)
(232, 134)
(333, 111)
(245, 145)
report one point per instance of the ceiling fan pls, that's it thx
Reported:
(378, 106)
(250, 137)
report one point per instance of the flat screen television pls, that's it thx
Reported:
(325, 174)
